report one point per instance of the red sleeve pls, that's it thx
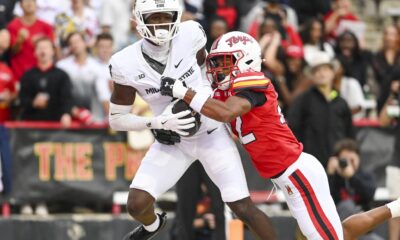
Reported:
(11, 85)
(50, 32)
(328, 15)
(294, 37)
(351, 17)
(13, 30)
(253, 29)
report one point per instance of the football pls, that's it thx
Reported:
(180, 106)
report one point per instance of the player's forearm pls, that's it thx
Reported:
(120, 119)
(212, 108)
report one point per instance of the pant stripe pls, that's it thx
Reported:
(318, 217)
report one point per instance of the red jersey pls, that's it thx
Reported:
(263, 131)
(7, 83)
(25, 59)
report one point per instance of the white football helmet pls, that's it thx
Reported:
(159, 35)
(232, 53)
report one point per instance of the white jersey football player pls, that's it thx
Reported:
(173, 49)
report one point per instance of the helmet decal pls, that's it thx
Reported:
(236, 39)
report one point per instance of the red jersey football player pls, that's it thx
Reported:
(246, 99)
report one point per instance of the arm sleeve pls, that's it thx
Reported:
(256, 99)
(121, 119)
(13, 33)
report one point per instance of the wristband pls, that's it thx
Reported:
(394, 208)
(179, 90)
(198, 101)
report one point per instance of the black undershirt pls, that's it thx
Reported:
(256, 99)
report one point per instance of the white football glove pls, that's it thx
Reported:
(173, 121)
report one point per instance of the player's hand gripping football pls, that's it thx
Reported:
(174, 121)
(173, 88)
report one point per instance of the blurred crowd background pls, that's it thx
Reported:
(54, 67)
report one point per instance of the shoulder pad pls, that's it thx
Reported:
(256, 81)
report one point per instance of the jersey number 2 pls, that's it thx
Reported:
(246, 139)
(250, 137)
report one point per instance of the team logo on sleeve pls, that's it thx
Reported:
(289, 190)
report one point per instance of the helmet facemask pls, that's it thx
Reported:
(160, 33)
(222, 68)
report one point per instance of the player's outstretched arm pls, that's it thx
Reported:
(221, 111)
(226, 111)
(121, 118)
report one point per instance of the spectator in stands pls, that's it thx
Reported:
(287, 66)
(218, 27)
(268, 7)
(6, 12)
(313, 37)
(46, 10)
(190, 192)
(96, 5)
(227, 9)
(311, 9)
(114, 18)
(356, 61)
(385, 61)
(194, 10)
(24, 31)
(347, 180)
(7, 94)
(104, 49)
(271, 49)
(295, 81)
(352, 188)
(341, 10)
(45, 89)
(350, 89)
(320, 117)
(390, 115)
(278, 14)
(87, 83)
(85, 20)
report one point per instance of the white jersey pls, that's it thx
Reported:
(129, 67)
(163, 165)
